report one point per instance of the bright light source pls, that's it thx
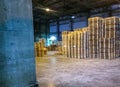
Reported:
(64, 45)
(73, 17)
(74, 46)
(53, 38)
(47, 9)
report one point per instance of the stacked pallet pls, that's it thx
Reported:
(36, 49)
(76, 43)
(95, 33)
(75, 36)
(109, 47)
(65, 43)
(40, 49)
(79, 43)
(59, 48)
(82, 43)
(101, 39)
(72, 44)
(86, 42)
(69, 45)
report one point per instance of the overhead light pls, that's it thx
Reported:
(47, 9)
(73, 17)
(53, 38)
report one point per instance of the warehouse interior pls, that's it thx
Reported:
(60, 43)
(58, 23)
(66, 15)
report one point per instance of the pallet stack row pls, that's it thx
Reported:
(69, 45)
(101, 39)
(109, 47)
(65, 43)
(76, 44)
(95, 27)
(73, 44)
(40, 49)
(82, 43)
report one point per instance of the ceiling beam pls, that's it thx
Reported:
(49, 3)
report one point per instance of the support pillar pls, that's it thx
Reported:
(17, 61)
(58, 29)
(71, 24)
(88, 16)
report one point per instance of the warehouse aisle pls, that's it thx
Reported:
(57, 71)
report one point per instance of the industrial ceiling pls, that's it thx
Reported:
(66, 7)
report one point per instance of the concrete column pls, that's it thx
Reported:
(71, 24)
(17, 62)
(58, 29)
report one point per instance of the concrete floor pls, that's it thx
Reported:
(57, 71)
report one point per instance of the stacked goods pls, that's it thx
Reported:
(79, 43)
(40, 49)
(95, 33)
(75, 36)
(107, 48)
(59, 48)
(83, 43)
(86, 42)
(65, 43)
(110, 41)
(69, 45)
(72, 44)
(36, 49)
(101, 39)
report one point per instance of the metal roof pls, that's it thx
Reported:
(67, 7)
